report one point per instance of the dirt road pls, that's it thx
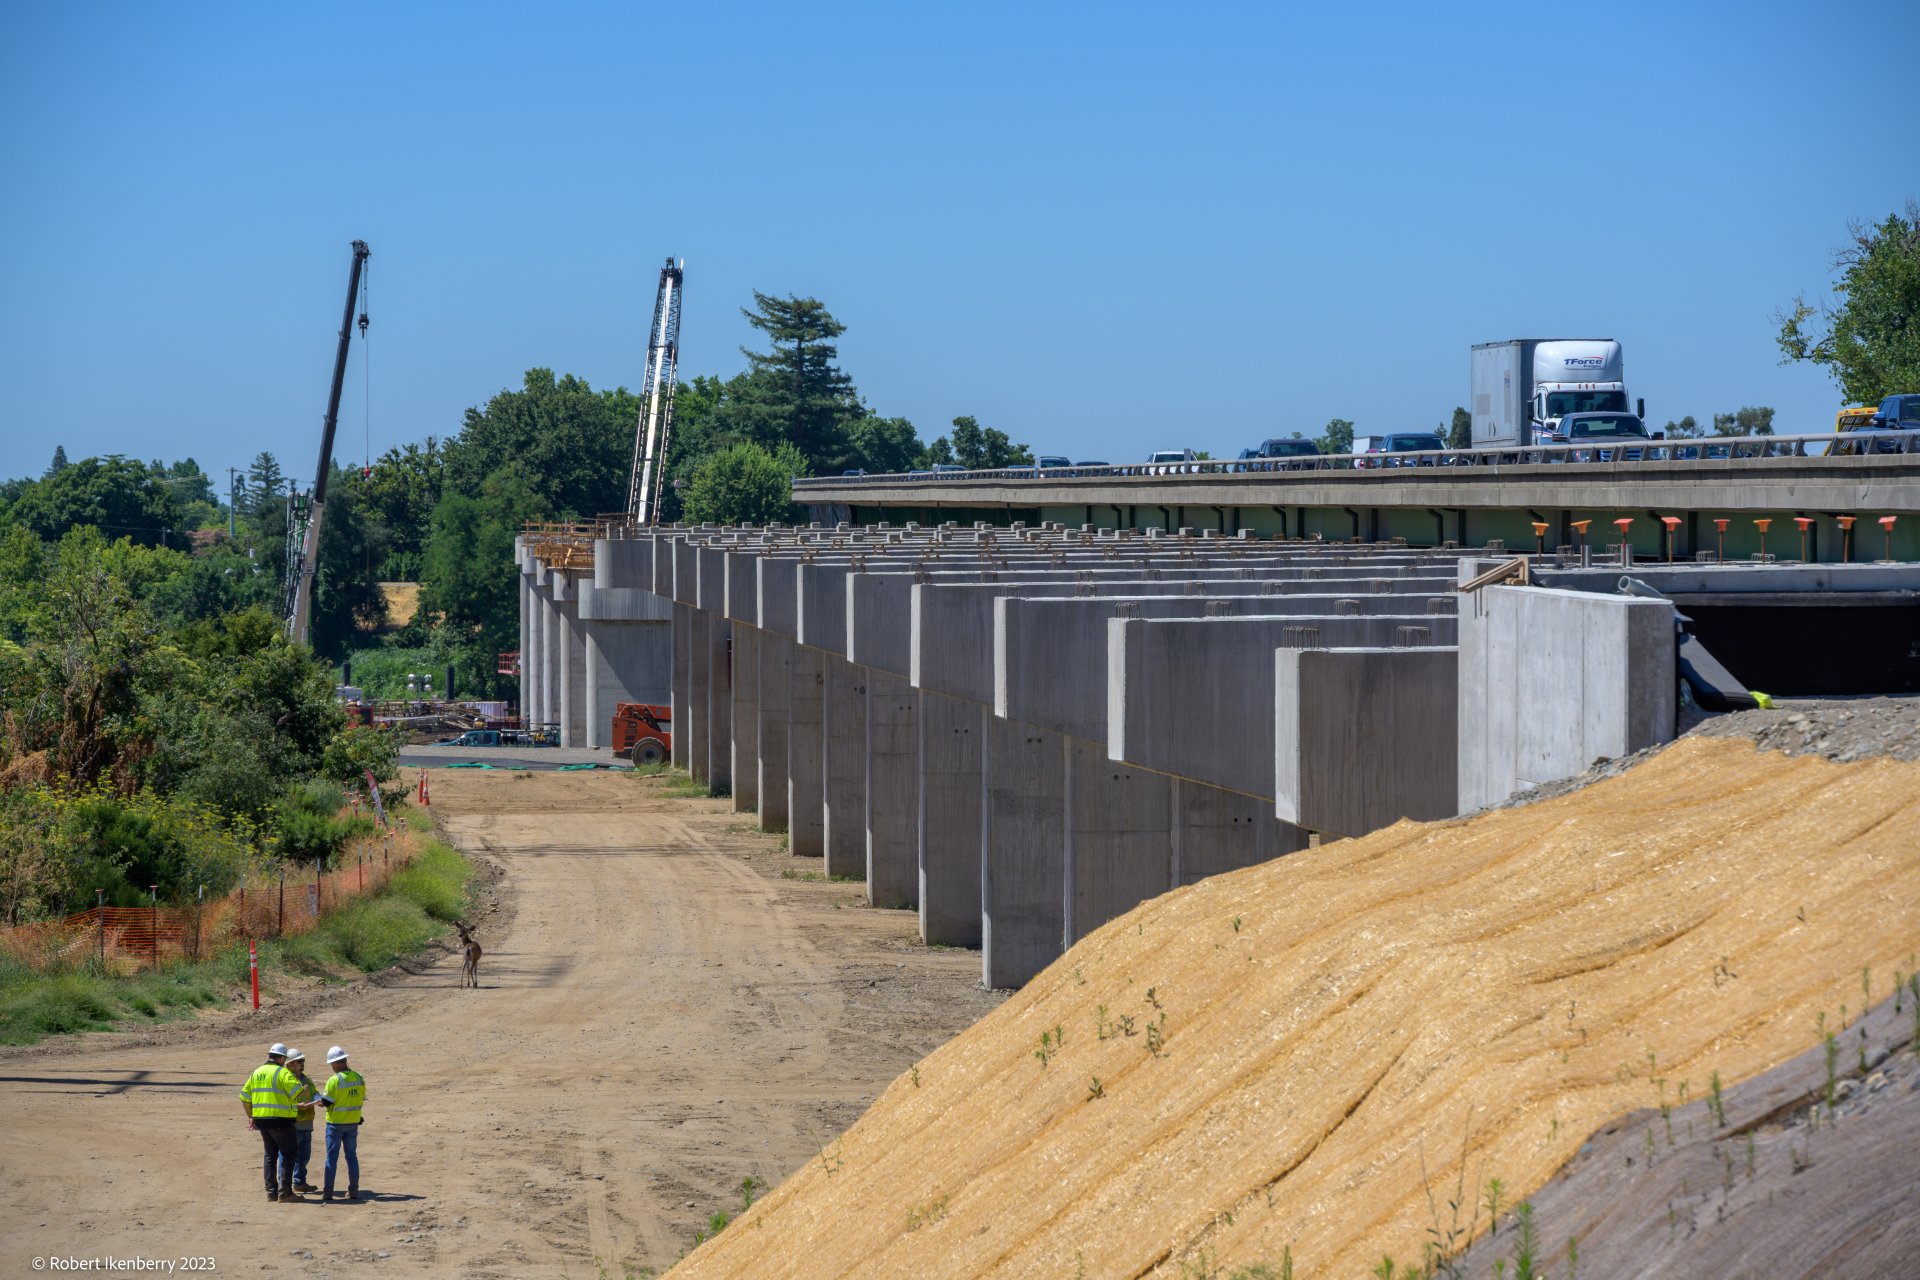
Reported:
(660, 1016)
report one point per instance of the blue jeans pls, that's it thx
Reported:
(342, 1137)
(302, 1152)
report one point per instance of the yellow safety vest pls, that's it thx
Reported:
(269, 1092)
(303, 1103)
(348, 1089)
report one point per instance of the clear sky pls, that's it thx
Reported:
(1103, 228)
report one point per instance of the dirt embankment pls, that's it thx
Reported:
(660, 1015)
(1307, 1058)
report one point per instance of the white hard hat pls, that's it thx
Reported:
(277, 1051)
(336, 1054)
(294, 1055)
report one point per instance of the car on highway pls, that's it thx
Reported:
(1171, 461)
(1895, 413)
(1407, 442)
(1623, 430)
(853, 471)
(1049, 460)
(947, 466)
(1091, 463)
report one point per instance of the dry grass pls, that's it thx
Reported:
(1434, 1004)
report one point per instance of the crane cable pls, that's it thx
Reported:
(366, 375)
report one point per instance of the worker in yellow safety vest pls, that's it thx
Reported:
(343, 1095)
(267, 1100)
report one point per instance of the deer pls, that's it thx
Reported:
(470, 968)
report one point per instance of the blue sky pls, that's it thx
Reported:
(1104, 229)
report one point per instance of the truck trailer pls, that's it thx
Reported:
(1523, 387)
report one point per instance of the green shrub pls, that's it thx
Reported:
(436, 881)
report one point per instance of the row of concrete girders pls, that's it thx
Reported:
(1026, 734)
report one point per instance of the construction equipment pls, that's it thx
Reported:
(304, 514)
(655, 428)
(642, 732)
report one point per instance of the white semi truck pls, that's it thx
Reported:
(1523, 387)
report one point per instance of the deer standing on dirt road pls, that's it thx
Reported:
(470, 968)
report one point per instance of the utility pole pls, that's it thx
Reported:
(233, 499)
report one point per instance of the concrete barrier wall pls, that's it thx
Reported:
(1364, 737)
(1553, 680)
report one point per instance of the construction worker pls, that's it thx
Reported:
(343, 1095)
(303, 1099)
(267, 1100)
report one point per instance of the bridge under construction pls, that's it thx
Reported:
(1023, 731)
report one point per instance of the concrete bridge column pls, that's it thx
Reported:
(951, 805)
(682, 674)
(1217, 831)
(526, 627)
(719, 723)
(573, 643)
(1119, 838)
(746, 718)
(893, 791)
(699, 678)
(552, 646)
(626, 662)
(843, 719)
(533, 667)
(1022, 851)
(774, 662)
(806, 755)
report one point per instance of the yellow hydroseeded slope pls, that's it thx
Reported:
(1486, 990)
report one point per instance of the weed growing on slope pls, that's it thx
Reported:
(1716, 1102)
(1096, 1090)
(1525, 1246)
(913, 1073)
(1156, 1035)
(1047, 1048)
(1153, 997)
(927, 1214)
(1833, 1057)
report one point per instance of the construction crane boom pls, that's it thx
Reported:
(655, 427)
(303, 520)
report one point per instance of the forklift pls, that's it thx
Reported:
(642, 732)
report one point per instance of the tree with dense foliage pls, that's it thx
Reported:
(1460, 434)
(574, 445)
(1337, 438)
(468, 580)
(1754, 420)
(120, 497)
(745, 484)
(59, 463)
(1869, 340)
(884, 446)
(795, 393)
(1685, 429)
(143, 740)
(978, 448)
(267, 486)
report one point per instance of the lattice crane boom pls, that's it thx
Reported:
(654, 430)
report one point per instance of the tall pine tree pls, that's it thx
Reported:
(794, 394)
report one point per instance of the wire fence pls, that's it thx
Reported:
(128, 939)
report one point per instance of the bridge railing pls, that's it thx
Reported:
(1707, 450)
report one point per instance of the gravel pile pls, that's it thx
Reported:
(1840, 729)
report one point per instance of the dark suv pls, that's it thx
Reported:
(1279, 454)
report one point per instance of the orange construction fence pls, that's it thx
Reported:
(132, 938)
